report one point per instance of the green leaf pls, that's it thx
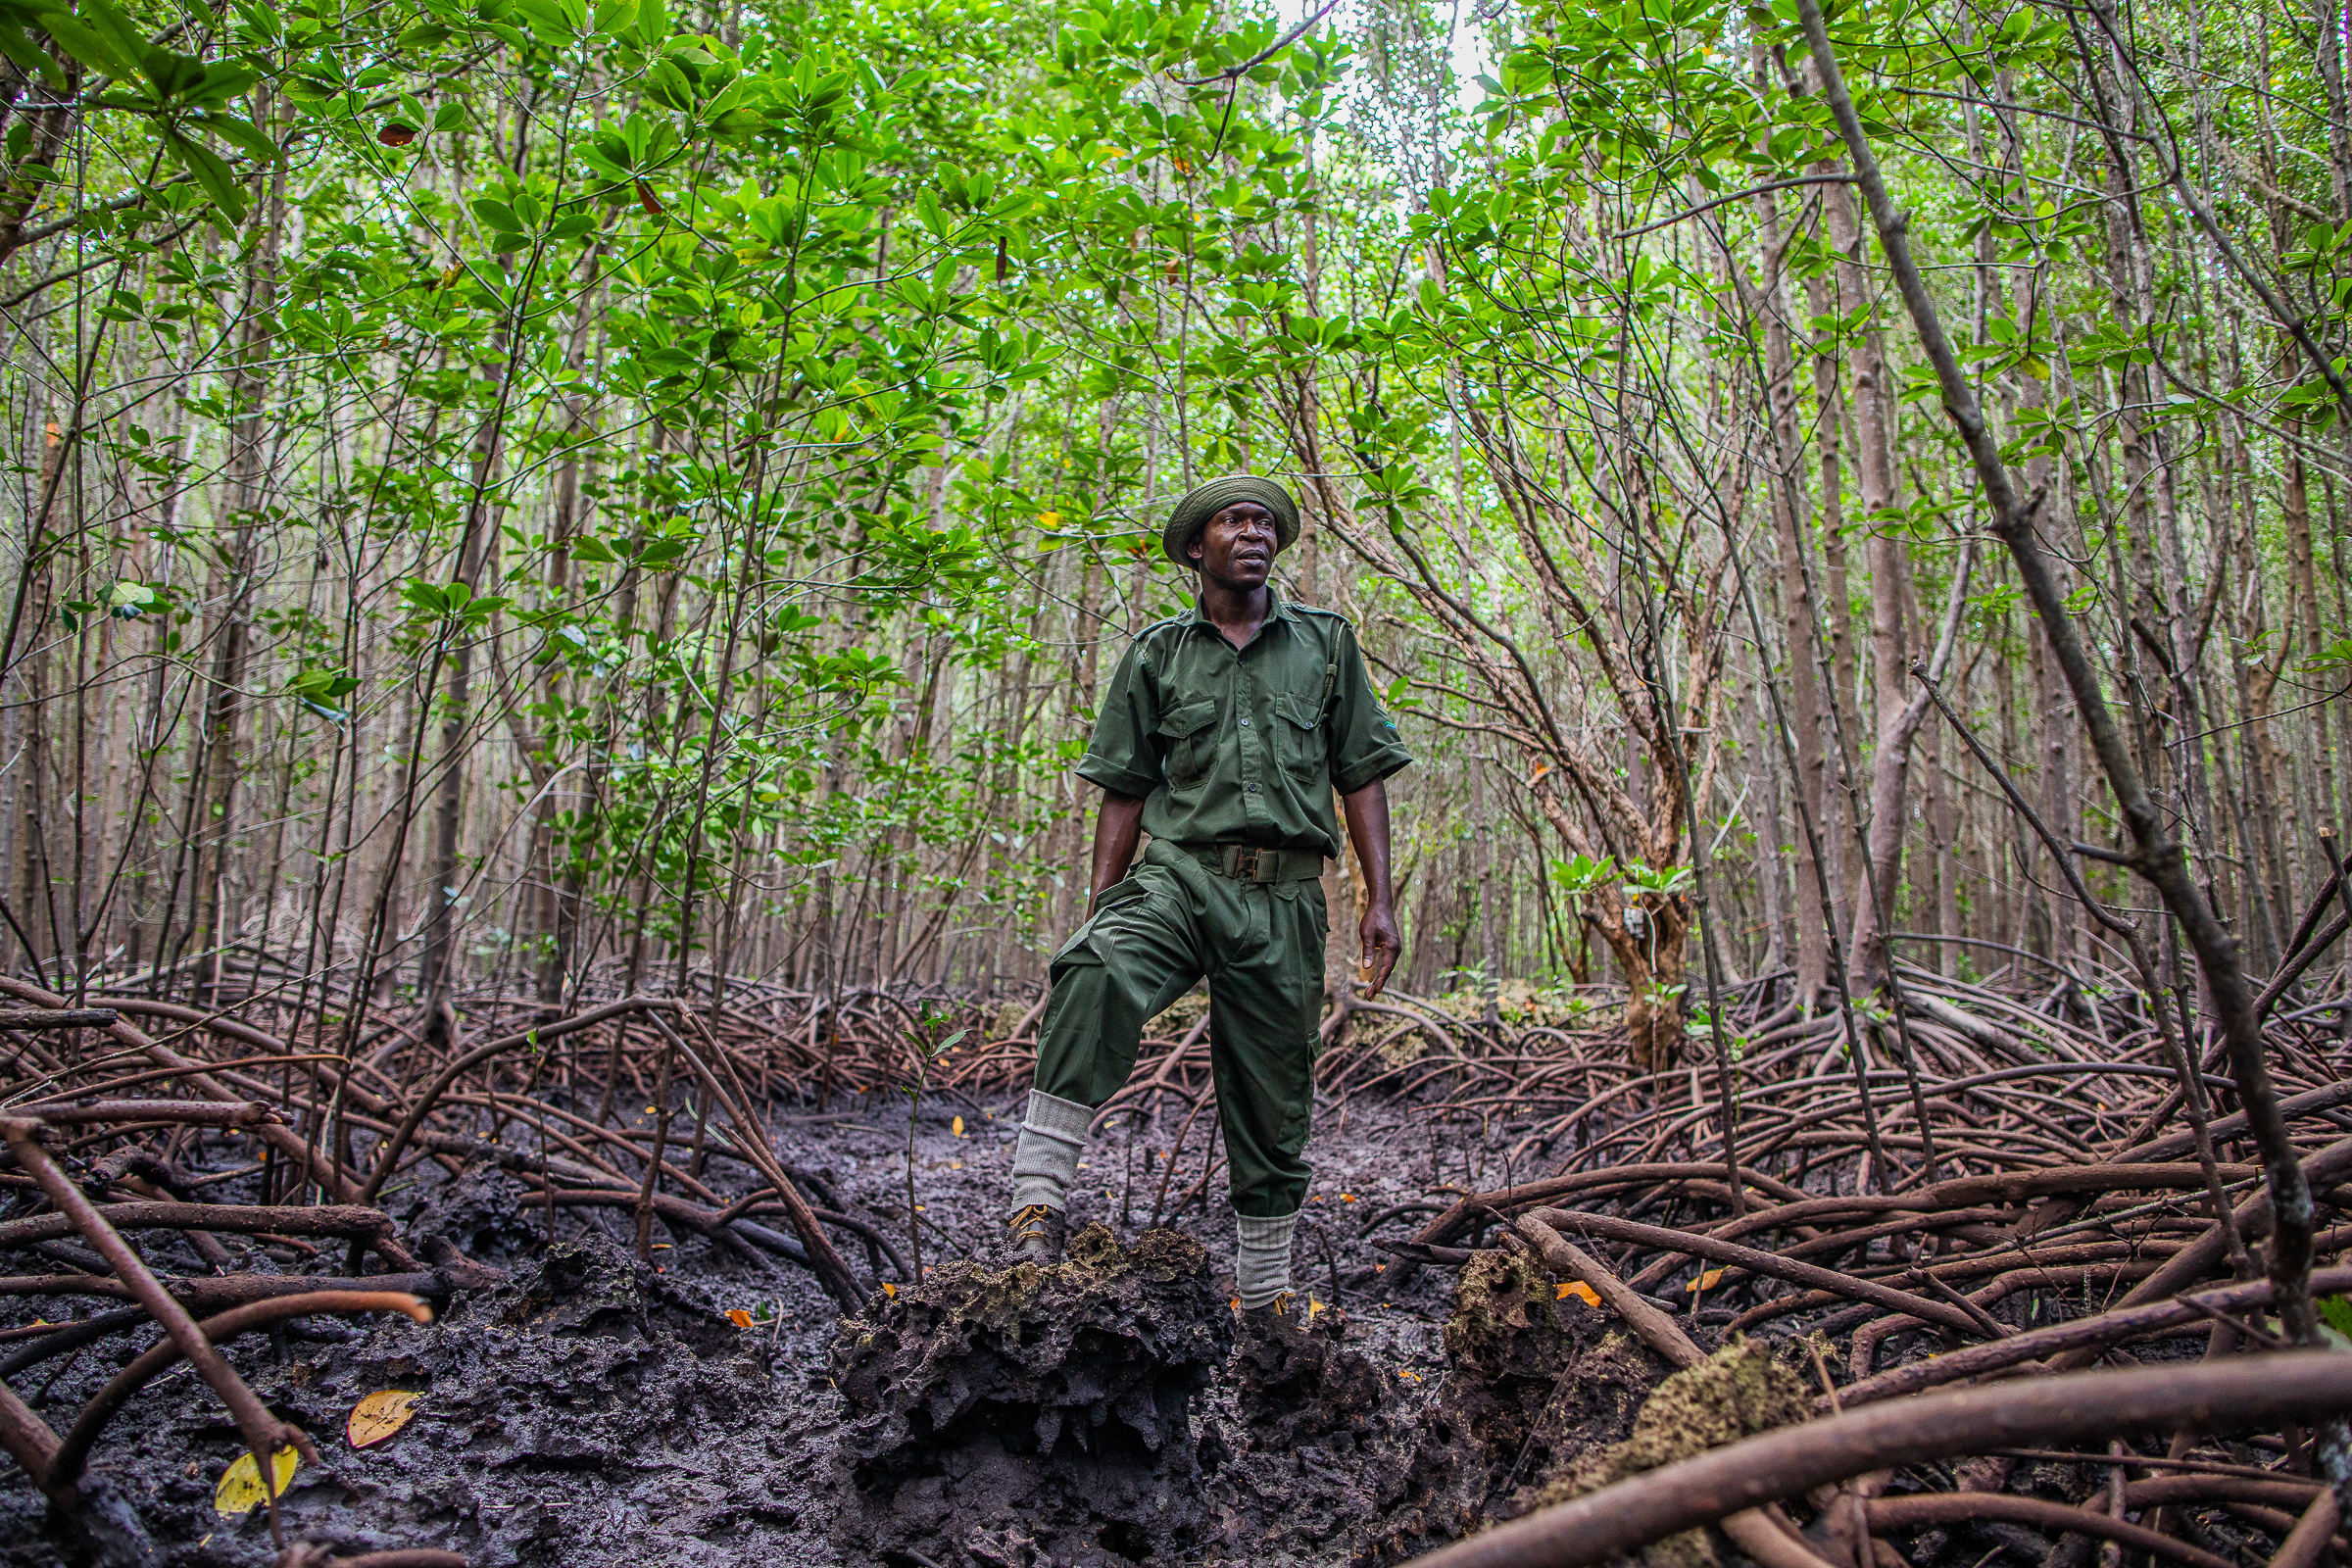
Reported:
(322, 691)
(669, 86)
(173, 73)
(1583, 874)
(88, 46)
(224, 80)
(106, 19)
(126, 599)
(211, 173)
(553, 28)
(244, 133)
(496, 215)
(28, 56)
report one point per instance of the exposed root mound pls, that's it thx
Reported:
(1533, 1379)
(1736, 1393)
(1298, 1384)
(1005, 1416)
(1325, 1442)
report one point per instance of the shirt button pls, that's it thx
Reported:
(1244, 723)
(1254, 789)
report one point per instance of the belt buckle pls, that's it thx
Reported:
(1245, 863)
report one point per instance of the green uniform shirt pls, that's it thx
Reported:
(1225, 745)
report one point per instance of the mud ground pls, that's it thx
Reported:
(590, 1410)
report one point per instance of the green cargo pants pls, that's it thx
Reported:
(1172, 922)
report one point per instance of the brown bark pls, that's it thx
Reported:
(1806, 700)
(1874, 467)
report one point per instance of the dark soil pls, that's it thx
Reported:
(1028, 1413)
(590, 1410)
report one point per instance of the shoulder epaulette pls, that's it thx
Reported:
(1143, 640)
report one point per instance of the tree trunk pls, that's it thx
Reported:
(1806, 707)
(1874, 468)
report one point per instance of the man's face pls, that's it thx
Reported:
(1237, 548)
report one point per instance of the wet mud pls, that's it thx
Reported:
(1028, 1414)
(588, 1409)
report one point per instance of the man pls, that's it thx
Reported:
(1222, 736)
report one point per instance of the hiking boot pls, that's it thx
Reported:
(1283, 1318)
(1038, 1234)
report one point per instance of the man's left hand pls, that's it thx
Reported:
(1383, 943)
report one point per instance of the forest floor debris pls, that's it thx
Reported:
(588, 1409)
(622, 1351)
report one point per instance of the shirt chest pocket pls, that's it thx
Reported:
(1189, 735)
(1300, 735)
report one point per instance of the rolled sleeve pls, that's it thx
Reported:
(1119, 754)
(1365, 747)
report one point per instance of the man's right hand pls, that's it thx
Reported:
(1118, 829)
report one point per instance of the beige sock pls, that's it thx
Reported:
(1045, 1159)
(1261, 1257)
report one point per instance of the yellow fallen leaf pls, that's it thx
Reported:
(1409, 1377)
(1312, 1308)
(889, 1289)
(240, 1488)
(1346, 1197)
(739, 1317)
(1581, 1290)
(1705, 1282)
(957, 1127)
(379, 1415)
